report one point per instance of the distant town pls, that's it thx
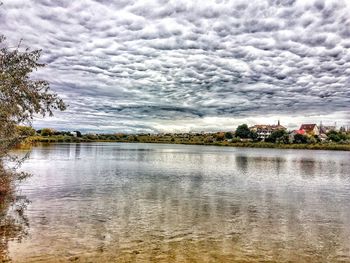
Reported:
(309, 135)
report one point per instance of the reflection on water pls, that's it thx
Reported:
(13, 221)
(175, 203)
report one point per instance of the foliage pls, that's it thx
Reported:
(300, 138)
(47, 132)
(312, 139)
(278, 135)
(21, 97)
(209, 139)
(335, 136)
(228, 135)
(220, 136)
(25, 131)
(243, 131)
(253, 135)
(79, 135)
(199, 139)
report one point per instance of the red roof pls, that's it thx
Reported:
(300, 132)
(307, 127)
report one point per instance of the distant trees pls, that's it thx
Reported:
(253, 135)
(280, 136)
(220, 136)
(242, 131)
(300, 138)
(79, 135)
(47, 132)
(335, 136)
(228, 135)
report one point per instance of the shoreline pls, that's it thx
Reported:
(317, 146)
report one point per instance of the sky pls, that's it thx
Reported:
(179, 66)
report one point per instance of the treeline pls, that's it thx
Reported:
(242, 135)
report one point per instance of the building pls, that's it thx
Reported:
(295, 132)
(263, 131)
(326, 129)
(73, 133)
(310, 129)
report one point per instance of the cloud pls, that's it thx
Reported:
(138, 65)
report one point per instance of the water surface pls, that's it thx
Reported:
(111, 202)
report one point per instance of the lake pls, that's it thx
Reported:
(115, 202)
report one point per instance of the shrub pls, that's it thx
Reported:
(47, 132)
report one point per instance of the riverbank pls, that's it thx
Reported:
(189, 141)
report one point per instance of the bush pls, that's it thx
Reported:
(228, 135)
(335, 136)
(253, 135)
(299, 138)
(236, 139)
(47, 132)
(277, 135)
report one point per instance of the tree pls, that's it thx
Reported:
(47, 132)
(284, 139)
(336, 136)
(228, 135)
(79, 135)
(220, 136)
(253, 135)
(299, 138)
(276, 135)
(21, 98)
(25, 131)
(311, 139)
(242, 131)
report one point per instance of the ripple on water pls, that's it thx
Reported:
(177, 203)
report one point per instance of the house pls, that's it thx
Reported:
(263, 131)
(295, 132)
(326, 129)
(73, 133)
(310, 129)
(323, 136)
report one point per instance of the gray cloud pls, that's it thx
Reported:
(157, 65)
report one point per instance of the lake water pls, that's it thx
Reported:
(111, 202)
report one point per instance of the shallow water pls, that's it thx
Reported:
(111, 202)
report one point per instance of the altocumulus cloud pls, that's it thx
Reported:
(149, 66)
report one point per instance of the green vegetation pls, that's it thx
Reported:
(338, 136)
(278, 139)
(243, 131)
(300, 138)
(47, 132)
(20, 99)
(280, 136)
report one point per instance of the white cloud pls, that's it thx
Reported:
(191, 65)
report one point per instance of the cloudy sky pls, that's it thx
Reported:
(153, 66)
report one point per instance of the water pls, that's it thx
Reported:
(111, 202)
